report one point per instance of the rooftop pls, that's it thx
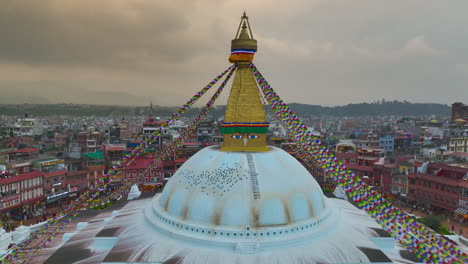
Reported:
(21, 177)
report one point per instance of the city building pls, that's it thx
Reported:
(153, 125)
(399, 185)
(437, 185)
(95, 166)
(386, 143)
(458, 144)
(362, 164)
(77, 182)
(21, 192)
(9, 191)
(90, 141)
(113, 153)
(138, 171)
(402, 143)
(23, 154)
(462, 209)
(55, 178)
(60, 139)
(459, 111)
(26, 126)
(205, 131)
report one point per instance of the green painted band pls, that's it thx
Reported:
(232, 130)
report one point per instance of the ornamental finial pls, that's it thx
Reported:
(243, 46)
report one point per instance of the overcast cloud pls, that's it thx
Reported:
(326, 52)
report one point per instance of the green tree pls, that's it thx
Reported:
(434, 222)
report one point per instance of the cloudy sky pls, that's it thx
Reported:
(326, 52)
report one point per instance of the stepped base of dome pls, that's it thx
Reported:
(137, 239)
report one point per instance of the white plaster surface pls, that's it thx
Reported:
(134, 192)
(215, 188)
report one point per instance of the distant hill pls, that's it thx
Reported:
(374, 109)
(362, 109)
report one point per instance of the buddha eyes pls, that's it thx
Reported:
(248, 136)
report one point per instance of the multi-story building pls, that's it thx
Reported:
(95, 166)
(362, 143)
(22, 190)
(205, 130)
(32, 191)
(55, 178)
(90, 141)
(120, 132)
(113, 153)
(77, 182)
(135, 172)
(9, 193)
(386, 143)
(114, 133)
(60, 139)
(462, 209)
(402, 143)
(459, 111)
(438, 185)
(382, 174)
(21, 155)
(126, 131)
(458, 144)
(26, 127)
(362, 164)
(400, 177)
(151, 126)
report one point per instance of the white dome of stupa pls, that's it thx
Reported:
(261, 189)
(217, 196)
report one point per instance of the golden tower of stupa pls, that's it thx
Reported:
(245, 124)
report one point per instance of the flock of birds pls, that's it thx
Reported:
(217, 181)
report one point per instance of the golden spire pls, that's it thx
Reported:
(244, 125)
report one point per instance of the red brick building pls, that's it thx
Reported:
(21, 190)
(384, 174)
(438, 185)
(362, 164)
(134, 172)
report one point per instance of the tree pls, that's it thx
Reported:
(432, 221)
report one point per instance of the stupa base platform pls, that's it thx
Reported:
(126, 236)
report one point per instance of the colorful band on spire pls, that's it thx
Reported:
(242, 127)
(243, 51)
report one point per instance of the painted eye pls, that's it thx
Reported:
(236, 136)
(253, 136)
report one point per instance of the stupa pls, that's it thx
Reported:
(240, 202)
